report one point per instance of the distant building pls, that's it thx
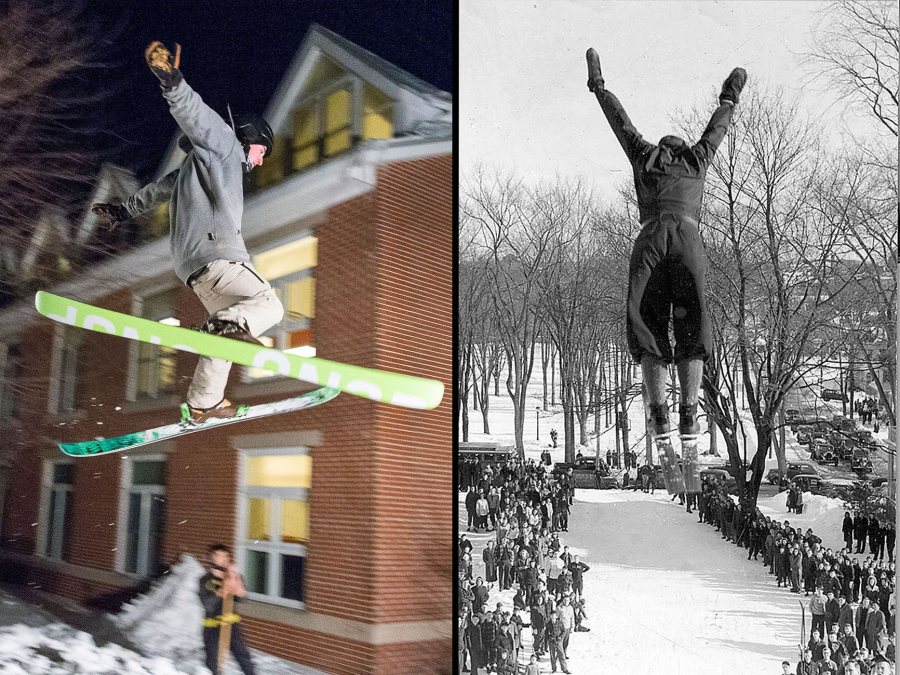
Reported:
(339, 516)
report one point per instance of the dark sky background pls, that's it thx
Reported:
(237, 52)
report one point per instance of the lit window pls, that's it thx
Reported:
(275, 526)
(306, 138)
(156, 365)
(337, 122)
(377, 114)
(289, 268)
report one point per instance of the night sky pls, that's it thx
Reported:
(237, 52)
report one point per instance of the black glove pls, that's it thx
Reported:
(734, 83)
(110, 214)
(163, 64)
(595, 77)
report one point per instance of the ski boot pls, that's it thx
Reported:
(224, 409)
(672, 476)
(230, 330)
(689, 430)
(662, 438)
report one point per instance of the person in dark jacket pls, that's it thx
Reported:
(556, 635)
(890, 540)
(577, 570)
(667, 267)
(806, 666)
(847, 530)
(860, 530)
(206, 200)
(475, 644)
(832, 612)
(222, 579)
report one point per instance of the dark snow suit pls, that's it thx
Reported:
(668, 261)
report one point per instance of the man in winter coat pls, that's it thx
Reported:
(667, 267)
(817, 610)
(577, 570)
(832, 612)
(556, 636)
(862, 616)
(847, 530)
(475, 644)
(860, 530)
(851, 644)
(875, 625)
(471, 503)
(567, 616)
(206, 201)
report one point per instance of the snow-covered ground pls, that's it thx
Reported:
(164, 626)
(664, 592)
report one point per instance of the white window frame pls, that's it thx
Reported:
(53, 550)
(274, 549)
(56, 393)
(137, 309)
(147, 493)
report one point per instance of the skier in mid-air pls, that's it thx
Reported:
(206, 201)
(667, 268)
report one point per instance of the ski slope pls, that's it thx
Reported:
(664, 592)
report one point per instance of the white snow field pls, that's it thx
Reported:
(665, 594)
(165, 626)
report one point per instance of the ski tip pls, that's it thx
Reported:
(38, 300)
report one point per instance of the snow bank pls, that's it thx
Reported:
(168, 622)
(170, 616)
(823, 514)
(57, 649)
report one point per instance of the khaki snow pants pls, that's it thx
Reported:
(230, 291)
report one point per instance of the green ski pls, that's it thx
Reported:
(104, 446)
(379, 385)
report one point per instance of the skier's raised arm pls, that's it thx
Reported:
(718, 124)
(147, 198)
(201, 124)
(631, 141)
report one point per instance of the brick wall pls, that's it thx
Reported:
(380, 542)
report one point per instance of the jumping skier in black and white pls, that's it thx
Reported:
(667, 267)
(206, 201)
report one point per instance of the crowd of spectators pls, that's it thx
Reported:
(526, 507)
(851, 610)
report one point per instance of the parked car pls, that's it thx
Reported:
(861, 462)
(841, 487)
(803, 432)
(864, 438)
(815, 484)
(833, 395)
(823, 452)
(844, 424)
(793, 469)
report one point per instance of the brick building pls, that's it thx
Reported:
(340, 516)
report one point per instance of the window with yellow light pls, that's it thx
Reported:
(290, 269)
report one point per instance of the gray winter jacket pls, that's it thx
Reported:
(205, 195)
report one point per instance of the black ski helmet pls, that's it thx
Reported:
(251, 130)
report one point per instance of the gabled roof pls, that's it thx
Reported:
(420, 109)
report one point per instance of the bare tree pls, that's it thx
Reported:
(516, 239)
(772, 252)
(858, 49)
(45, 158)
